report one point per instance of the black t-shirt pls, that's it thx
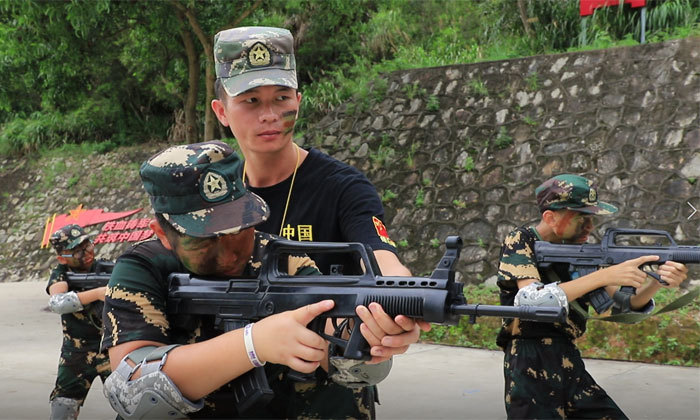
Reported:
(330, 202)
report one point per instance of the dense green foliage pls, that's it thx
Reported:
(117, 71)
(668, 338)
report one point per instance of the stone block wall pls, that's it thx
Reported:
(452, 150)
(460, 149)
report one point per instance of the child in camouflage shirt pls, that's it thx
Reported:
(544, 373)
(81, 317)
(165, 364)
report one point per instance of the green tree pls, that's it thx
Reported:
(65, 80)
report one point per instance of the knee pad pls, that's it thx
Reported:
(65, 303)
(153, 394)
(539, 294)
(64, 409)
(356, 373)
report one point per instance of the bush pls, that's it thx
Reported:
(669, 338)
(96, 121)
(90, 122)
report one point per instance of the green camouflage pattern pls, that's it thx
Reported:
(82, 330)
(68, 237)
(356, 373)
(248, 57)
(517, 262)
(547, 379)
(568, 191)
(77, 368)
(199, 192)
(135, 309)
(81, 360)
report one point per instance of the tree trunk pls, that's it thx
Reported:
(191, 126)
(524, 18)
(207, 44)
(208, 47)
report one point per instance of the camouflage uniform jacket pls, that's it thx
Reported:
(82, 330)
(517, 262)
(135, 309)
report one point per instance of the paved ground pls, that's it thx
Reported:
(429, 382)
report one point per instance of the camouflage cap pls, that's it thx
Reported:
(253, 56)
(68, 237)
(199, 192)
(568, 191)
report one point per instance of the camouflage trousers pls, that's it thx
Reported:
(322, 399)
(76, 371)
(546, 379)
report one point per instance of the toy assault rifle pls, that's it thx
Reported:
(236, 302)
(587, 258)
(78, 282)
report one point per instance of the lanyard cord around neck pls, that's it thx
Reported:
(291, 186)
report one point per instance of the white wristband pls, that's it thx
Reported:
(249, 348)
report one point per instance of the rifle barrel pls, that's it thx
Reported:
(531, 313)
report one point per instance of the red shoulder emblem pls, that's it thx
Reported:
(382, 232)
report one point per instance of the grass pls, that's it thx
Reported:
(410, 162)
(532, 82)
(388, 195)
(478, 87)
(670, 338)
(420, 198)
(468, 164)
(382, 156)
(433, 104)
(413, 90)
(503, 140)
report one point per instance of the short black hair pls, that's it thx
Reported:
(169, 230)
(219, 90)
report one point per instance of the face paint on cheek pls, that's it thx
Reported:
(195, 257)
(563, 222)
(187, 263)
(202, 264)
(289, 119)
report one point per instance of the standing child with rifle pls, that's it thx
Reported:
(81, 316)
(544, 373)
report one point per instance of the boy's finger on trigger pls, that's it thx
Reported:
(307, 313)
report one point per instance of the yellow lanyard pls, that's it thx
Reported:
(289, 194)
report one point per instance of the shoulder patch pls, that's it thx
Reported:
(382, 232)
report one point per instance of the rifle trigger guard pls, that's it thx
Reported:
(656, 276)
(318, 326)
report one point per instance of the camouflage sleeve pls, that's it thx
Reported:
(517, 261)
(57, 274)
(302, 266)
(134, 304)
